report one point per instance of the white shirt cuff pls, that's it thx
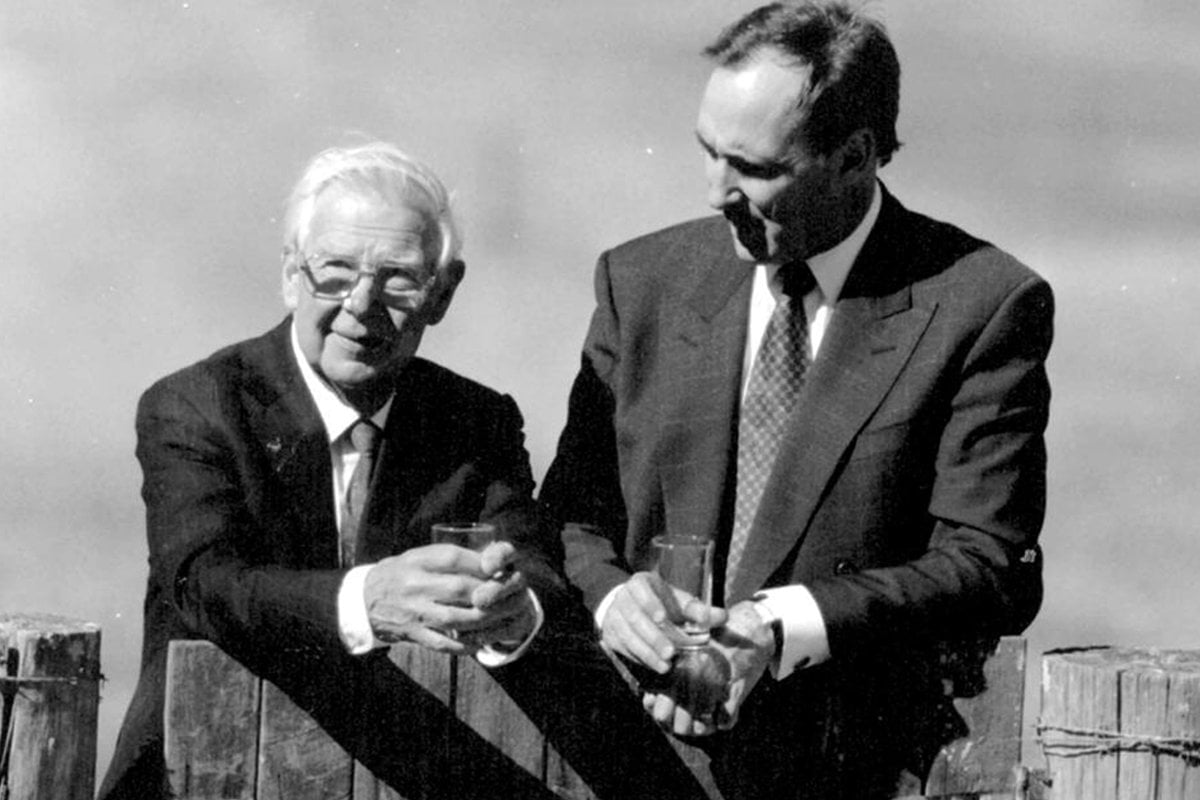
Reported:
(354, 625)
(602, 609)
(497, 655)
(805, 642)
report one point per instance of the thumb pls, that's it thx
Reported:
(696, 610)
(496, 557)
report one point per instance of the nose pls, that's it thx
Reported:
(362, 296)
(722, 185)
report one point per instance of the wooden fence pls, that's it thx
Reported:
(232, 735)
(1115, 724)
(50, 690)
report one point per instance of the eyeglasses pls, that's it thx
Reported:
(335, 278)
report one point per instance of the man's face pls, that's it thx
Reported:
(782, 203)
(358, 343)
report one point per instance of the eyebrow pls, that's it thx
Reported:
(744, 165)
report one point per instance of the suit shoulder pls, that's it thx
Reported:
(455, 389)
(234, 367)
(938, 241)
(705, 235)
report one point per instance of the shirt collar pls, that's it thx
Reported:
(831, 267)
(336, 413)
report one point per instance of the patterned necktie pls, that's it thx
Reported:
(365, 438)
(775, 381)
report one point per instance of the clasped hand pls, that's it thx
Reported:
(702, 691)
(449, 598)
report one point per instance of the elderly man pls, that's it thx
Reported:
(291, 480)
(847, 398)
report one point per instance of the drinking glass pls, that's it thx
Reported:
(685, 562)
(471, 535)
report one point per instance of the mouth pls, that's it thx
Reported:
(361, 348)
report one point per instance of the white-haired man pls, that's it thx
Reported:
(252, 459)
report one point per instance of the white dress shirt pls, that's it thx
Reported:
(354, 624)
(805, 642)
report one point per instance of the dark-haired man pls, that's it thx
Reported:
(847, 397)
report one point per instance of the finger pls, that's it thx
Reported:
(620, 637)
(650, 637)
(654, 597)
(448, 589)
(517, 613)
(496, 558)
(663, 711)
(515, 628)
(683, 721)
(495, 592)
(437, 640)
(448, 558)
(696, 610)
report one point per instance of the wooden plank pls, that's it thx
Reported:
(368, 787)
(297, 760)
(50, 684)
(1180, 777)
(211, 724)
(483, 705)
(985, 760)
(435, 673)
(1143, 712)
(1081, 700)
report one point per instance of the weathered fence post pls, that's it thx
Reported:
(1121, 723)
(50, 684)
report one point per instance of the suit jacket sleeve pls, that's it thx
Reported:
(582, 489)
(209, 551)
(980, 571)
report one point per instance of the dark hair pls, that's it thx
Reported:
(853, 77)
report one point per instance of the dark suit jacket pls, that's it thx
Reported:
(242, 535)
(908, 494)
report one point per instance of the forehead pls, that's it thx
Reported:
(347, 221)
(750, 109)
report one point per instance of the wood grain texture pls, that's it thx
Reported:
(1122, 723)
(991, 706)
(211, 724)
(50, 703)
(233, 735)
(297, 760)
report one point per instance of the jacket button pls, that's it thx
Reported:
(845, 567)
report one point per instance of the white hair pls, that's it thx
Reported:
(380, 168)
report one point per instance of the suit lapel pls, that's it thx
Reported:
(289, 429)
(873, 332)
(704, 348)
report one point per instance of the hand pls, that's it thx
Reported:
(505, 598)
(691, 699)
(747, 645)
(428, 594)
(642, 622)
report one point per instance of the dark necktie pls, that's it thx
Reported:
(365, 438)
(775, 381)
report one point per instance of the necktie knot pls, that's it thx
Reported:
(364, 435)
(796, 279)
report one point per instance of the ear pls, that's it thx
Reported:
(857, 154)
(291, 277)
(443, 291)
